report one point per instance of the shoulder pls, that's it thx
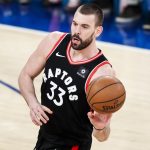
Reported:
(104, 70)
(49, 41)
(54, 36)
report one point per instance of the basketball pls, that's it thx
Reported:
(106, 94)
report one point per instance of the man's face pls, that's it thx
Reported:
(83, 31)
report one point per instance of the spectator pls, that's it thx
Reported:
(106, 5)
(24, 2)
(146, 14)
(128, 11)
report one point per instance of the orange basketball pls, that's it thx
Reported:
(106, 94)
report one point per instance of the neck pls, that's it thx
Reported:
(84, 54)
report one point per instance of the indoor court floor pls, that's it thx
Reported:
(130, 126)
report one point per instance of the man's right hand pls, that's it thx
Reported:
(38, 115)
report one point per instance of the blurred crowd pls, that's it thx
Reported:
(124, 11)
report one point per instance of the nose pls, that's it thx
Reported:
(78, 30)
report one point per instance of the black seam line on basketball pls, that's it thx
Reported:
(109, 100)
(90, 89)
(103, 88)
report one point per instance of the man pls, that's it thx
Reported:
(70, 63)
(128, 11)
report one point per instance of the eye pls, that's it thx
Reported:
(85, 26)
(74, 23)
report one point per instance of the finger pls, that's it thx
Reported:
(110, 115)
(41, 114)
(103, 117)
(44, 116)
(46, 109)
(40, 117)
(90, 115)
(107, 117)
(35, 123)
(35, 119)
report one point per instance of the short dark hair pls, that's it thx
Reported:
(89, 9)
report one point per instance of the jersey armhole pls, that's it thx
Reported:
(93, 72)
(56, 45)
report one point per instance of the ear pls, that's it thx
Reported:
(99, 30)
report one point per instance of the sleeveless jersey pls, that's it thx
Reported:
(63, 91)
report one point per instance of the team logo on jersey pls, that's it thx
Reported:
(56, 91)
(82, 72)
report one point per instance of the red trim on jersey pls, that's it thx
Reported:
(75, 147)
(93, 72)
(80, 62)
(56, 45)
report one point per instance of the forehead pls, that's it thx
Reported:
(84, 19)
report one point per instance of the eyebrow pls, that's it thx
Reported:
(87, 25)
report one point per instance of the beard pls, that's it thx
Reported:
(80, 44)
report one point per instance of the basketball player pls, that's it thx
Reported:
(70, 63)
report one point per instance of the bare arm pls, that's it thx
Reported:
(32, 68)
(101, 122)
